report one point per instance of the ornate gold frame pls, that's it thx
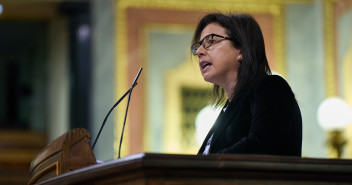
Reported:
(329, 49)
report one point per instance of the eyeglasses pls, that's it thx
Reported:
(206, 42)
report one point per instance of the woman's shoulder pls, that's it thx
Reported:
(270, 83)
(270, 79)
(266, 84)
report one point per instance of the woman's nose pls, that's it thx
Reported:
(200, 51)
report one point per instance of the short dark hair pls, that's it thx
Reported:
(246, 35)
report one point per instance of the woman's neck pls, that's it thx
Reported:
(229, 90)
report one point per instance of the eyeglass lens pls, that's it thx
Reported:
(205, 42)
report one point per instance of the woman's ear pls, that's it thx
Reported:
(239, 57)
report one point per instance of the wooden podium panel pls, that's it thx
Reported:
(167, 169)
(68, 152)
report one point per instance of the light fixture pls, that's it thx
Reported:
(204, 121)
(333, 116)
(334, 113)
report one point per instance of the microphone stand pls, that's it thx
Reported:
(129, 91)
(106, 117)
(128, 102)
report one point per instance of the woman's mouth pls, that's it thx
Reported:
(204, 65)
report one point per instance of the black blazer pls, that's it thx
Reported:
(263, 119)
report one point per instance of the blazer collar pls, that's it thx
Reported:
(223, 120)
(218, 126)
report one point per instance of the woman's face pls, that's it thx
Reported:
(220, 62)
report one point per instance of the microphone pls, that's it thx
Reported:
(128, 102)
(112, 108)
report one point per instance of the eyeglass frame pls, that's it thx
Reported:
(194, 47)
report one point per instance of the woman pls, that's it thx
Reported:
(261, 114)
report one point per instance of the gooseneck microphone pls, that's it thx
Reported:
(129, 91)
(128, 102)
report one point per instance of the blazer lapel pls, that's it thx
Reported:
(211, 131)
(222, 122)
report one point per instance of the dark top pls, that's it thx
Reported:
(263, 119)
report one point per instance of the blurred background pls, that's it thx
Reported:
(63, 64)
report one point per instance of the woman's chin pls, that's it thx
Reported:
(205, 78)
(208, 79)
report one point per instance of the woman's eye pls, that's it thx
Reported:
(212, 41)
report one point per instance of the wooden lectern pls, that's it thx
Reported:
(167, 169)
(68, 152)
(68, 159)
